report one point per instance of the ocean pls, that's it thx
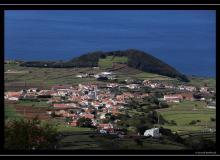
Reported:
(185, 39)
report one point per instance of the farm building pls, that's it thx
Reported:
(187, 96)
(74, 123)
(13, 96)
(173, 98)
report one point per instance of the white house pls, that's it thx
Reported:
(13, 98)
(106, 73)
(154, 132)
(32, 90)
(92, 94)
(102, 116)
(173, 98)
(204, 89)
(132, 86)
(103, 131)
(212, 105)
(190, 88)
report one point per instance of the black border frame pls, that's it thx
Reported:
(103, 7)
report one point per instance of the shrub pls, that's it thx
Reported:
(172, 122)
(192, 122)
(85, 122)
(212, 119)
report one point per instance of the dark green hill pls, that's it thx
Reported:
(136, 59)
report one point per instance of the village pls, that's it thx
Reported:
(88, 105)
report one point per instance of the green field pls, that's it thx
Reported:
(33, 104)
(185, 112)
(150, 76)
(10, 112)
(44, 77)
(109, 60)
(199, 81)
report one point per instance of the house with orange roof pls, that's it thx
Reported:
(13, 96)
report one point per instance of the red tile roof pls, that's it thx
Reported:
(90, 116)
(13, 94)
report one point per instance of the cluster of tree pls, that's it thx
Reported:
(170, 135)
(85, 122)
(139, 123)
(136, 59)
(146, 104)
(29, 135)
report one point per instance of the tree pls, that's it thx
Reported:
(68, 119)
(192, 122)
(164, 105)
(212, 119)
(29, 134)
(85, 122)
(142, 128)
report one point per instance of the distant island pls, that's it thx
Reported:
(131, 57)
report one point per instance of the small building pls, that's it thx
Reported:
(133, 86)
(92, 95)
(173, 98)
(106, 73)
(89, 116)
(211, 105)
(13, 96)
(74, 123)
(154, 132)
(204, 89)
(103, 131)
(105, 126)
(190, 88)
(187, 96)
(33, 90)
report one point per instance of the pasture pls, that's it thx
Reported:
(109, 60)
(185, 112)
(43, 78)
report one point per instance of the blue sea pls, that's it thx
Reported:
(185, 39)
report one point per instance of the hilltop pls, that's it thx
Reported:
(131, 58)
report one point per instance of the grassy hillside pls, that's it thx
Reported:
(135, 59)
(201, 81)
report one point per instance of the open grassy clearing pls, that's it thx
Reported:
(29, 103)
(185, 112)
(10, 112)
(109, 60)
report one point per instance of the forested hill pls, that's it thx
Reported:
(136, 59)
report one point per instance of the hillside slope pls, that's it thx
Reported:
(135, 59)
